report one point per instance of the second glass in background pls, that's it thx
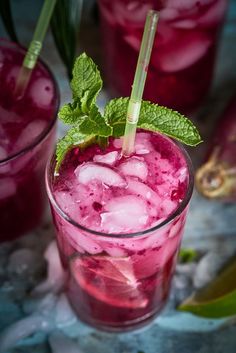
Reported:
(183, 58)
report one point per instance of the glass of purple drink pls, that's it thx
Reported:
(182, 62)
(27, 136)
(119, 223)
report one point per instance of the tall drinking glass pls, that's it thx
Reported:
(184, 52)
(119, 224)
(27, 136)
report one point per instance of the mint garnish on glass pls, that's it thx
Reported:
(89, 126)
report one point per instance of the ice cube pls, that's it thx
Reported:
(29, 134)
(186, 4)
(124, 213)
(144, 190)
(67, 202)
(183, 51)
(133, 41)
(214, 14)
(8, 188)
(60, 343)
(209, 266)
(24, 263)
(184, 24)
(4, 168)
(80, 240)
(168, 207)
(108, 158)
(23, 329)
(55, 275)
(93, 171)
(181, 174)
(168, 14)
(42, 92)
(113, 250)
(64, 315)
(134, 167)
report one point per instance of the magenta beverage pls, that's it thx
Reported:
(184, 51)
(27, 136)
(119, 224)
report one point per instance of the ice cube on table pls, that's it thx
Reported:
(134, 167)
(60, 343)
(124, 213)
(183, 51)
(108, 158)
(42, 92)
(55, 274)
(8, 188)
(24, 262)
(29, 134)
(64, 315)
(23, 329)
(88, 172)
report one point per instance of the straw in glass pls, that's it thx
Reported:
(34, 49)
(139, 82)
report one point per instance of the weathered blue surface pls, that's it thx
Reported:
(210, 225)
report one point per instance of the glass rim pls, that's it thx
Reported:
(41, 137)
(181, 207)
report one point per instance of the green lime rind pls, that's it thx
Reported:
(222, 307)
(218, 298)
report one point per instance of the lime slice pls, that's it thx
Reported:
(110, 280)
(218, 298)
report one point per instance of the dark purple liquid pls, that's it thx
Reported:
(26, 139)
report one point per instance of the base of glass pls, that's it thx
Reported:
(134, 325)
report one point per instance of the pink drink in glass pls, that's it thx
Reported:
(184, 51)
(27, 135)
(119, 225)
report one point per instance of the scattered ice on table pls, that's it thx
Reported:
(64, 315)
(7, 188)
(92, 171)
(30, 132)
(22, 329)
(134, 167)
(42, 304)
(23, 262)
(56, 275)
(61, 343)
(124, 213)
(108, 158)
(208, 267)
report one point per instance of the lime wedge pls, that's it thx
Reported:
(218, 298)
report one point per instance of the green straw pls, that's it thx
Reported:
(139, 82)
(35, 47)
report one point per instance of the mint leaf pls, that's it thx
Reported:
(95, 124)
(86, 82)
(71, 113)
(115, 114)
(154, 118)
(73, 138)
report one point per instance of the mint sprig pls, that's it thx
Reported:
(90, 126)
